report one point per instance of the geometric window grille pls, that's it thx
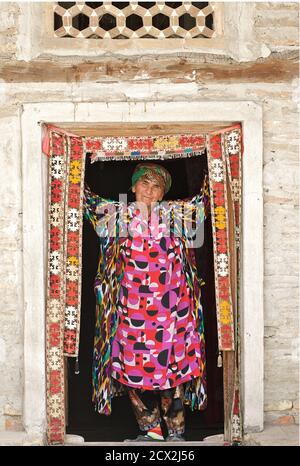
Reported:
(127, 20)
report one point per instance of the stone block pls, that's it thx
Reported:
(8, 19)
(21, 438)
(279, 173)
(14, 424)
(284, 420)
(273, 7)
(281, 405)
(73, 439)
(261, 22)
(277, 18)
(11, 410)
(283, 36)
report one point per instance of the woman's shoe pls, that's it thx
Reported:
(143, 438)
(175, 438)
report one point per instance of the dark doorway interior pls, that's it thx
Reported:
(109, 179)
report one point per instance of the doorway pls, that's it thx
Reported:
(109, 179)
(154, 115)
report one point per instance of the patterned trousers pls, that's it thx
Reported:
(147, 405)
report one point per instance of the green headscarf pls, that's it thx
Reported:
(154, 171)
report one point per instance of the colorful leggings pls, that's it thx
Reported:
(146, 408)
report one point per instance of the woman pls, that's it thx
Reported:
(149, 339)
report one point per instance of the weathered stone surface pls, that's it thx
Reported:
(295, 410)
(275, 435)
(276, 37)
(296, 404)
(14, 425)
(277, 24)
(74, 440)
(284, 420)
(281, 405)
(263, 19)
(271, 8)
(8, 28)
(14, 438)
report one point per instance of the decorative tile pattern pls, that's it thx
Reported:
(132, 20)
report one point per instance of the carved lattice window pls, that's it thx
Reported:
(126, 20)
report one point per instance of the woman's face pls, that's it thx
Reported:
(148, 191)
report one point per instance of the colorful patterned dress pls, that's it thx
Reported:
(149, 320)
(156, 345)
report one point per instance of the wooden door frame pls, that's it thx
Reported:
(34, 169)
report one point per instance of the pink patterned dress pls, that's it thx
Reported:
(157, 345)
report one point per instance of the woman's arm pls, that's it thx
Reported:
(101, 212)
(189, 213)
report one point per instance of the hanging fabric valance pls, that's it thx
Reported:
(66, 152)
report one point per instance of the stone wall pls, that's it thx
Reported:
(199, 78)
(9, 16)
(276, 24)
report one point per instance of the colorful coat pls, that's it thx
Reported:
(149, 321)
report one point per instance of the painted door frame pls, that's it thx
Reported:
(35, 230)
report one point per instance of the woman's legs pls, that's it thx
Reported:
(173, 410)
(147, 412)
(146, 409)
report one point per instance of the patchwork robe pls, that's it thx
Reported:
(149, 331)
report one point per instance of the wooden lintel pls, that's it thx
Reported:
(276, 68)
(143, 129)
